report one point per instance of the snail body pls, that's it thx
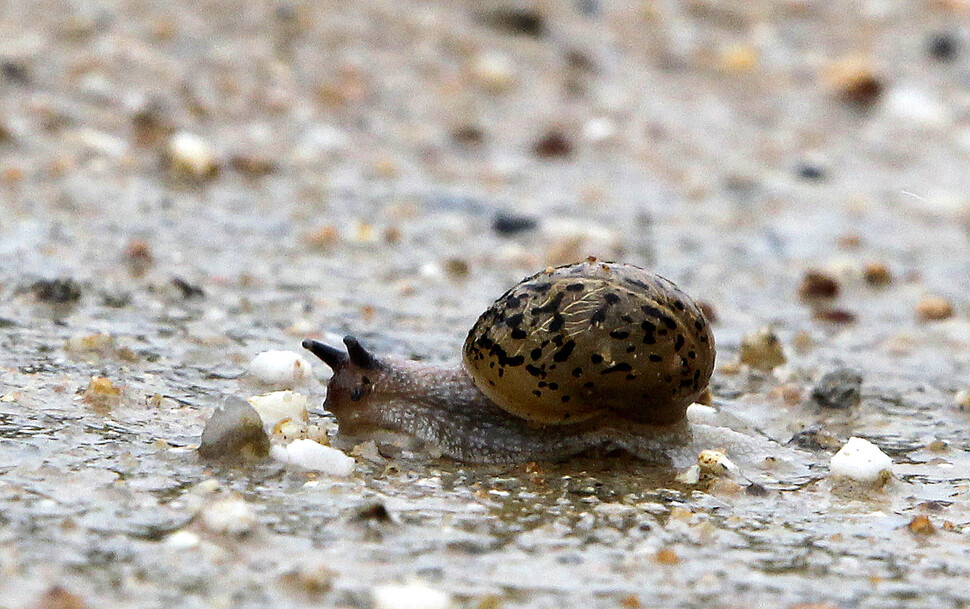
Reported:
(575, 357)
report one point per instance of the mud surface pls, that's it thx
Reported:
(388, 169)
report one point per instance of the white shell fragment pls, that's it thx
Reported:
(715, 462)
(281, 368)
(229, 516)
(861, 461)
(190, 155)
(410, 596)
(700, 413)
(313, 456)
(278, 406)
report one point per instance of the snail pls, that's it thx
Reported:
(594, 354)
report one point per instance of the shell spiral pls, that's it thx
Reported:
(580, 341)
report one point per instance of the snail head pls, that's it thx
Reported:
(355, 373)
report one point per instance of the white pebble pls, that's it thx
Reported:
(191, 155)
(700, 413)
(182, 540)
(410, 596)
(230, 516)
(861, 461)
(279, 406)
(494, 72)
(313, 456)
(916, 107)
(282, 368)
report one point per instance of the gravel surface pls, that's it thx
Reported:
(186, 185)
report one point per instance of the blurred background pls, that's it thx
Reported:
(186, 184)
(385, 149)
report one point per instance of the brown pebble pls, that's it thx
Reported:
(468, 136)
(835, 316)
(921, 525)
(762, 350)
(102, 395)
(58, 597)
(850, 241)
(553, 144)
(934, 308)
(456, 268)
(138, 255)
(666, 556)
(817, 284)
(252, 164)
(322, 237)
(854, 80)
(630, 601)
(791, 394)
(877, 274)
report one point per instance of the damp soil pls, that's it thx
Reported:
(388, 169)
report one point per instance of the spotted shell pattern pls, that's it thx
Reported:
(578, 341)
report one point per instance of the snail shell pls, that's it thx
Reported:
(576, 342)
(580, 356)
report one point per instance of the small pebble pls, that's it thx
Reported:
(962, 399)
(762, 350)
(877, 274)
(715, 462)
(943, 46)
(410, 596)
(151, 124)
(138, 255)
(189, 156)
(468, 136)
(815, 439)
(57, 291)
(322, 237)
(494, 72)
(710, 313)
(188, 290)
(102, 395)
(313, 579)
(278, 406)
(253, 164)
(840, 388)
(182, 540)
(817, 284)
(58, 597)
(666, 556)
(553, 145)
(854, 80)
(934, 308)
(229, 516)
(699, 413)
(835, 315)
(102, 344)
(313, 456)
(811, 171)
(280, 368)
(234, 431)
(921, 525)
(861, 461)
(508, 223)
(517, 20)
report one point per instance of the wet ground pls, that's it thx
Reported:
(389, 169)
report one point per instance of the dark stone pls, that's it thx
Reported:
(506, 223)
(943, 46)
(514, 20)
(57, 291)
(553, 144)
(372, 512)
(234, 432)
(814, 439)
(188, 290)
(812, 172)
(756, 490)
(840, 388)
